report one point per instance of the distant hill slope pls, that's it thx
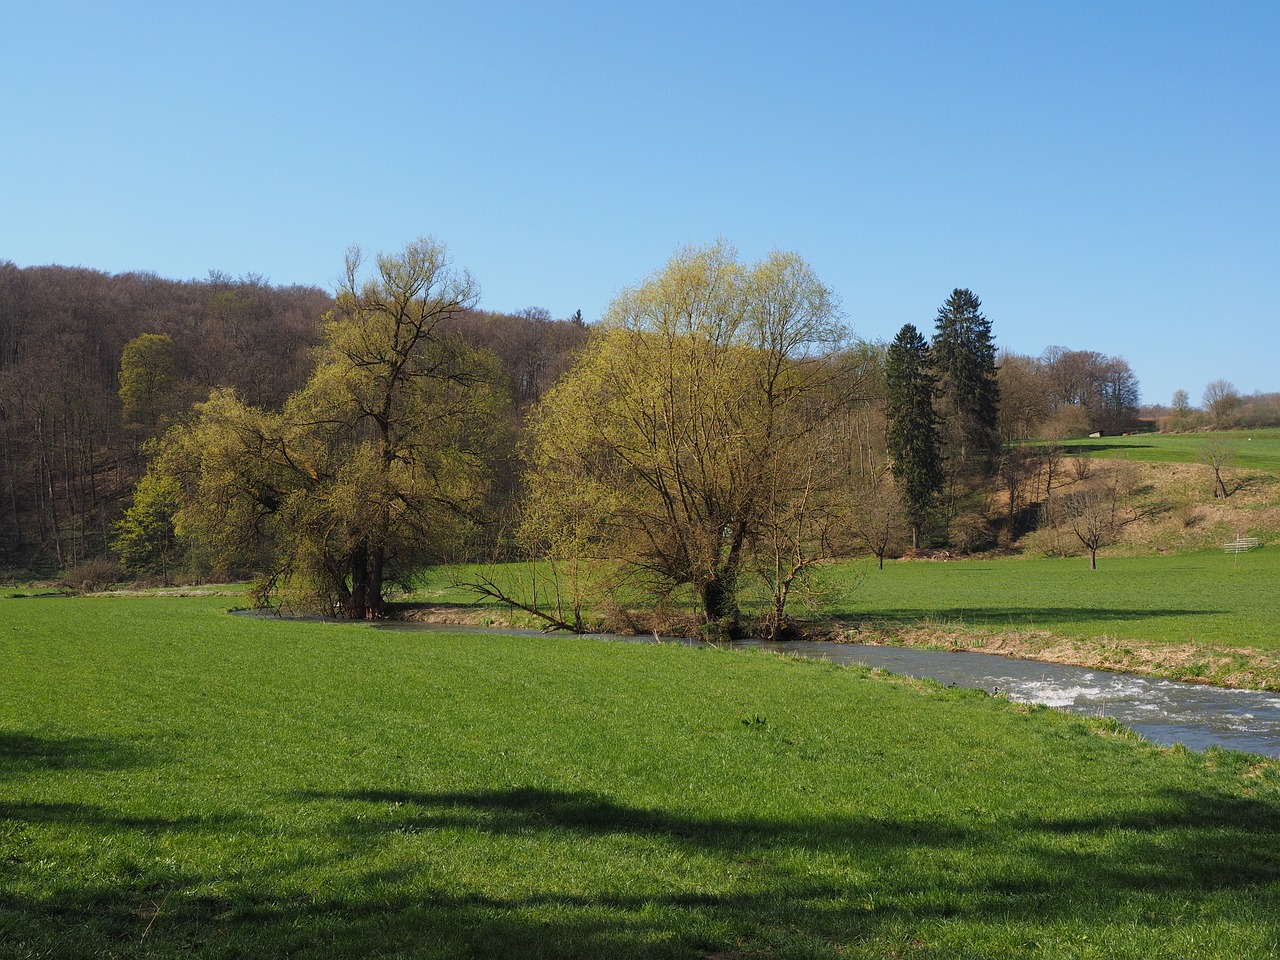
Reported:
(1171, 506)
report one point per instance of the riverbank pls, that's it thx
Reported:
(1238, 668)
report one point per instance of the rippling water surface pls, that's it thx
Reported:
(1163, 711)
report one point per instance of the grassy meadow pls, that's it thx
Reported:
(1205, 597)
(179, 782)
(1206, 615)
(1208, 597)
(1254, 449)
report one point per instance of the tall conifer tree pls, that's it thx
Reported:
(913, 428)
(964, 361)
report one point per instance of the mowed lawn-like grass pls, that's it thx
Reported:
(175, 781)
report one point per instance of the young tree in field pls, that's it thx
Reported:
(1220, 454)
(964, 361)
(879, 518)
(699, 386)
(1098, 510)
(913, 427)
(373, 467)
(1091, 515)
(145, 536)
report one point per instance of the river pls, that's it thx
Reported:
(1162, 711)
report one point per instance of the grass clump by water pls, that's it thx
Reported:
(178, 782)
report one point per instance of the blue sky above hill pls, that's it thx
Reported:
(1102, 175)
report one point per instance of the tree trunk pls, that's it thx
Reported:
(358, 604)
(375, 606)
(364, 601)
(720, 607)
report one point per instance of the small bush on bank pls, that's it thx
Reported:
(92, 575)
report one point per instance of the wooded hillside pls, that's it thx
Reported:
(69, 455)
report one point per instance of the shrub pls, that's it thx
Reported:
(1082, 465)
(970, 532)
(92, 575)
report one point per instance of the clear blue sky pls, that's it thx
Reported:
(1104, 175)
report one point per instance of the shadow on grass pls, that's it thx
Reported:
(29, 753)
(1017, 617)
(663, 883)
(519, 810)
(103, 821)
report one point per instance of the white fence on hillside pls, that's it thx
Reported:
(1241, 545)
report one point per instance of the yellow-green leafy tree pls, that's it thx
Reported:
(148, 379)
(677, 445)
(146, 540)
(373, 469)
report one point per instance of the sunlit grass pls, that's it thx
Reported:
(178, 782)
(1208, 597)
(1254, 449)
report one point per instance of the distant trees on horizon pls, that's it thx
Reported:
(1223, 408)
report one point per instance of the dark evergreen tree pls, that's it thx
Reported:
(964, 361)
(913, 427)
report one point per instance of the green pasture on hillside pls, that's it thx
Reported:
(177, 782)
(1254, 449)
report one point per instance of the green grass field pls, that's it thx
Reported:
(178, 782)
(1207, 598)
(1255, 449)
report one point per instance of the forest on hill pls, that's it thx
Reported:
(69, 455)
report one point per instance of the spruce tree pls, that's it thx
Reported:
(964, 361)
(913, 428)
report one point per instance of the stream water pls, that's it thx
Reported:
(1163, 711)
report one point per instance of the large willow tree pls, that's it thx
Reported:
(690, 425)
(370, 470)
